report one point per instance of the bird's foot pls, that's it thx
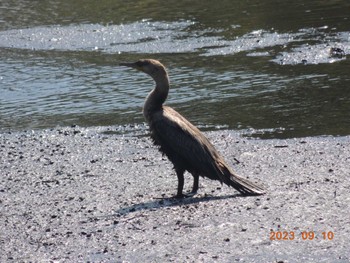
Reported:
(179, 196)
(187, 195)
(191, 194)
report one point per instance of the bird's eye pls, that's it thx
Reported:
(142, 63)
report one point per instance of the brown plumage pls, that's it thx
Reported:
(184, 144)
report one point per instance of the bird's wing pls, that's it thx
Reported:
(185, 140)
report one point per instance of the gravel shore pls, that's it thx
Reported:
(87, 195)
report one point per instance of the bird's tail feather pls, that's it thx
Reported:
(244, 186)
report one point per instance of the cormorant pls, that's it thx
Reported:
(183, 143)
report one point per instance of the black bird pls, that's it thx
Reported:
(183, 143)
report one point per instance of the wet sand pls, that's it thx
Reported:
(79, 195)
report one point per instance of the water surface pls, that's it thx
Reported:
(262, 67)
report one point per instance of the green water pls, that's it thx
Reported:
(263, 67)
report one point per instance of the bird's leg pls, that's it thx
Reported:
(195, 184)
(194, 187)
(180, 186)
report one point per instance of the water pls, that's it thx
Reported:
(261, 67)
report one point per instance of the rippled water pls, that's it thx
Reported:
(266, 68)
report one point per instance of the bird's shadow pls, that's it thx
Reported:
(171, 202)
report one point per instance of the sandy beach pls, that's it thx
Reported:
(85, 195)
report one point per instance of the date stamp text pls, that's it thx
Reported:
(305, 235)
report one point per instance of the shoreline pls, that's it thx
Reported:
(77, 195)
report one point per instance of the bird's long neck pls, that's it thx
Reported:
(157, 96)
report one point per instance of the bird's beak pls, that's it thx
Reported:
(128, 64)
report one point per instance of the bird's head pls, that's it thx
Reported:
(151, 67)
